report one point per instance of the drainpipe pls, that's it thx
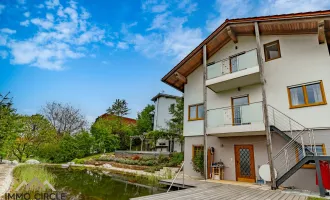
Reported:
(205, 110)
(264, 105)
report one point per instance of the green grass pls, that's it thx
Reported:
(28, 172)
(315, 198)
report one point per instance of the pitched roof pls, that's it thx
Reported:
(111, 117)
(164, 95)
(295, 23)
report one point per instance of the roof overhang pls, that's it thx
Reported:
(288, 24)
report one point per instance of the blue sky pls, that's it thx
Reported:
(89, 53)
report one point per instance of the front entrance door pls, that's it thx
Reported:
(244, 162)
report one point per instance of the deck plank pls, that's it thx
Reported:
(210, 191)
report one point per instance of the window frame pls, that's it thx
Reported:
(324, 100)
(193, 150)
(232, 106)
(196, 117)
(311, 166)
(277, 42)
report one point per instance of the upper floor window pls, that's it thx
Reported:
(272, 50)
(309, 94)
(196, 112)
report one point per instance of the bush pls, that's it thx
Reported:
(78, 161)
(198, 162)
(176, 159)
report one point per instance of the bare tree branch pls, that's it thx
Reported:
(64, 118)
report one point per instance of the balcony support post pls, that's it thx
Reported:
(265, 106)
(205, 110)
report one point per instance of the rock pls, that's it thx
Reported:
(65, 166)
(107, 166)
(14, 162)
(32, 162)
(6, 161)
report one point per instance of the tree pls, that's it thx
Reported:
(105, 139)
(145, 119)
(119, 108)
(175, 125)
(8, 123)
(64, 118)
(34, 131)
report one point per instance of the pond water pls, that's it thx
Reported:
(86, 184)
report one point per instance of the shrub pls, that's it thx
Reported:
(198, 162)
(176, 159)
(78, 161)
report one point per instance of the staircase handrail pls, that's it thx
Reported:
(287, 116)
(289, 143)
(175, 177)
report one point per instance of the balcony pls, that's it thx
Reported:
(236, 71)
(243, 120)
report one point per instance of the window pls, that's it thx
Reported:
(237, 103)
(309, 94)
(320, 149)
(196, 149)
(196, 112)
(272, 50)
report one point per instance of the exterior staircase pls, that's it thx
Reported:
(300, 148)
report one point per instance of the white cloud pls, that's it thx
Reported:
(226, 9)
(2, 7)
(159, 8)
(3, 54)
(51, 4)
(27, 14)
(187, 6)
(122, 45)
(50, 17)
(40, 6)
(8, 31)
(109, 44)
(59, 38)
(230, 9)
(290, 6)
(46, 24)
(25, 23)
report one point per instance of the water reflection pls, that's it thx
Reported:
(84, 184)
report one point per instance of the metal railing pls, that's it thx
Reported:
(176, 177)
(302, 141)
(235, 115)
(234, 63)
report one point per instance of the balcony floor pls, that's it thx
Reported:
(240, 130)
(241, 78)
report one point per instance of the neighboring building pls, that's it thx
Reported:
(125, 120)
(161, 118)
(293, 52)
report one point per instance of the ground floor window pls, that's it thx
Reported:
(196, 149)
(320, 150)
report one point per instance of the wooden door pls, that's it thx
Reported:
(244, 163)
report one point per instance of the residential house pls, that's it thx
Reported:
(287, 57)
(161, 117)
(125, 120)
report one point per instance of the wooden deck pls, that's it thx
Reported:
(206, 191)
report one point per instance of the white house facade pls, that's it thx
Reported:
(162, 116)
(286, 55)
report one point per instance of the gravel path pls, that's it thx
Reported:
(5, 177)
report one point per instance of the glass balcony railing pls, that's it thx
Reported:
(235, 115)
(238, 62)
